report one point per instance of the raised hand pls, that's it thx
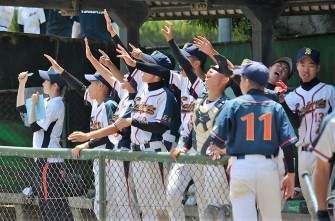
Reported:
(23, 77)
(136, 52)
(104, 58)
(88, 49)
(125, 56)
(204, 45)
(168, 31)
(109, 24)
(34, 99)
(54, 64)
(78, 136)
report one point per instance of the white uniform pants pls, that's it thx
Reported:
(150, 182)
(121, 205)
(306, 163)
(255, 179)
(179, 177)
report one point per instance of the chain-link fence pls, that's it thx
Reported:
(46, 184)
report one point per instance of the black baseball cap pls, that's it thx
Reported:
(311, 53)
(288, 61)
(191, 49)
(53, 76)
(97, 77)
(253, 70)
(157, 57)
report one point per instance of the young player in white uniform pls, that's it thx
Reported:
(47, 134)
(310, 103)
(324, 148)
(103, 108)
(120, 199)
(150, 118)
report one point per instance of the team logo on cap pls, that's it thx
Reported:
(308, 51)
(153, 53)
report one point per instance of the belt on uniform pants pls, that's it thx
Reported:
(306, 148)
(137, 147)
(242, 157)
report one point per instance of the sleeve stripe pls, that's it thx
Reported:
(217, 136)
(286, 142)
(321, 154)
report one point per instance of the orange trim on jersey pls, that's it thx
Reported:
(288, 141)
(44, 180)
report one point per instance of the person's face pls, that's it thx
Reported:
(244, 84)
(47, 86)
(214, 79)
(279, 71)
(93, 88)
(307, 69)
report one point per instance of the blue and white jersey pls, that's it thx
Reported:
(154, 106)
(189, 94)
(52, 126)
(253, 124)
(101, 115)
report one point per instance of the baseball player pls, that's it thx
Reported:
(47, 134)
(119, 195)
(306, 107)
(323, 148)
(103, 108)
(150, 118)
(253, 127)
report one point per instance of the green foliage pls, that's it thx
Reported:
(151, 36)
(241, 29)
(185, 30)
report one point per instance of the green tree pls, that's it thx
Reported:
(185, 30)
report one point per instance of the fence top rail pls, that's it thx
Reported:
(89, 154)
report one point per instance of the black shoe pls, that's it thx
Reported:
(223, 65)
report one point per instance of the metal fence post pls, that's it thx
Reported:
(102, 187)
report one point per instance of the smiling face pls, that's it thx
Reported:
(279, 71)
(307, 69)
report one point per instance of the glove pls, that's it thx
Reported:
(280, 87)
(323, 215)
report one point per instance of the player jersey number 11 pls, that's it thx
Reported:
(250, 123)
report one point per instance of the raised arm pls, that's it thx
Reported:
(182, 60)
(116, 38)
(73, 82)
(105, 73)
(23, 77)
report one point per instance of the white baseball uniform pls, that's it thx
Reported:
(31, 18)
(312, 105)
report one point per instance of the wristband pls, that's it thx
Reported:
(323, 215)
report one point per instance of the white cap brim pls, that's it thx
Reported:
(44, 75)
(90, 77)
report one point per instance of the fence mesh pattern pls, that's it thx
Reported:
(46, 187)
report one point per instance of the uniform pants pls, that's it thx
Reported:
(179, 177)
(120, 188)
(255, 179)
(216, 185)
(150, 183)
(52, 204)
(306, 163)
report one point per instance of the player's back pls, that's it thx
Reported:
(255, 122)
